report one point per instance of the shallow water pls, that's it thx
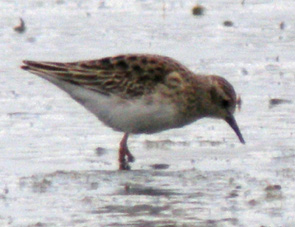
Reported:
(58, 164)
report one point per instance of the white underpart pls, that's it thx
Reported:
(132, 116)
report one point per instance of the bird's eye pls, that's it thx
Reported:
(225, 103)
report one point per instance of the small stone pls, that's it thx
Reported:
(282, 25)
(277, 101)
(198, 10)
(228, 23)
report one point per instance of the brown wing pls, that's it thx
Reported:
(123, 75)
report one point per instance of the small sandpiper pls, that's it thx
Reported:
(141, 93)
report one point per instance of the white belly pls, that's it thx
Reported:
(132, 116)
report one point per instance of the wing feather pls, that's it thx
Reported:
(123, 75)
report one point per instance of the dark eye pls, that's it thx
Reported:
(225, 103)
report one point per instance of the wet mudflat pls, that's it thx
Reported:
(58, 164)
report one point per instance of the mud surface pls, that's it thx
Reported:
(58, 164)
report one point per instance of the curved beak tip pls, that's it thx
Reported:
(233, 124)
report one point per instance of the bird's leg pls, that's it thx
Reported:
(124, 151)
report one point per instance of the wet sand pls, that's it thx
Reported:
(58, 163)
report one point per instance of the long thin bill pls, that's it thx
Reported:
(233, 124)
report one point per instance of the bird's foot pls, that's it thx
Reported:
(130, 157)
(124, 154)
(124, 165)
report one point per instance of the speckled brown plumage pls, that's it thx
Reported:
(124, 75)
(141, 93)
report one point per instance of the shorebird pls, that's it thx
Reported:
(141, 93)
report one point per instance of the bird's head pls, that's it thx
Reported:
(223, 102)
